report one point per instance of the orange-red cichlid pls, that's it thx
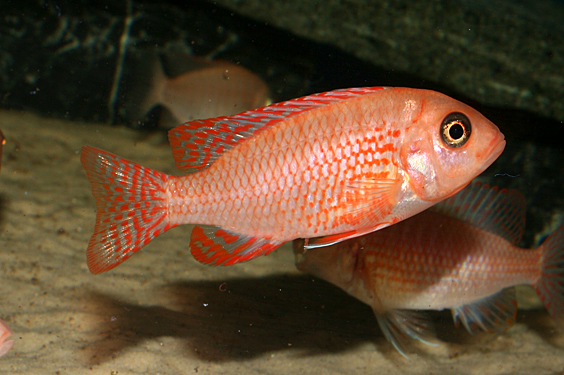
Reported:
(5, 334)
(335, 165)
(461, 255)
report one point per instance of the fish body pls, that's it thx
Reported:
(462, 254)
(334, 165)
(220, 89)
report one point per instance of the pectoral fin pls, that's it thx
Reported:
(366, 204)
(399, 326)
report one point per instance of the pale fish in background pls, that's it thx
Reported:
(193, 88)
(338, 164)
(461, 254)
(5, 334)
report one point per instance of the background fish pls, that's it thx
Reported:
(338, 164)
(460, 254)
(2, 143)
(5, 334)
(192, 88)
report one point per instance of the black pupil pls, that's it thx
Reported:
(456, 131)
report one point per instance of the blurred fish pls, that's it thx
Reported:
(5, 334)
(461, 254)
(195, 89)
(2, 143)
(338, 164)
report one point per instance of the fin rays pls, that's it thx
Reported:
(501, 212)
(215, 246)
(130, 207)
(367, 203)
(400, 325)
(550, 286)
(491, 313)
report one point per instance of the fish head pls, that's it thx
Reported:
(335, 264)
(343, 264)
(446, 144)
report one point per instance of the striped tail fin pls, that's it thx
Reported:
(550, 286)
(131, 207)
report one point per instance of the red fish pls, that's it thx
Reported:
(5, 334)
(461, 255)
(338, 164)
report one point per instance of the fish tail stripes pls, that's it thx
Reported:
(550, 285)
(131, 207)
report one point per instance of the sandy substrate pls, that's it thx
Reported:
(161, 312)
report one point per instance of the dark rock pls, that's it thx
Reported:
(505, 53)
(68, 59)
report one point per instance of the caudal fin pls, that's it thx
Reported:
(550, 286)
(131, 207)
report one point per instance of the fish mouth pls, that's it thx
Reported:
(496, 146)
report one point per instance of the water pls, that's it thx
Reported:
(68, 72)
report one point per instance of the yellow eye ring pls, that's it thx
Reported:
(455, 130)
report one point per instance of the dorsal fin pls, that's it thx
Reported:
(196, 144)
(501, 212)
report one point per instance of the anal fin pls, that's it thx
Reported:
(216, 246)
(399, 326)
(491, 313)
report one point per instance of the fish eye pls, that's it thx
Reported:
(455, 129)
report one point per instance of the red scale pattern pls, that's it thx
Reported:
(122, 227)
